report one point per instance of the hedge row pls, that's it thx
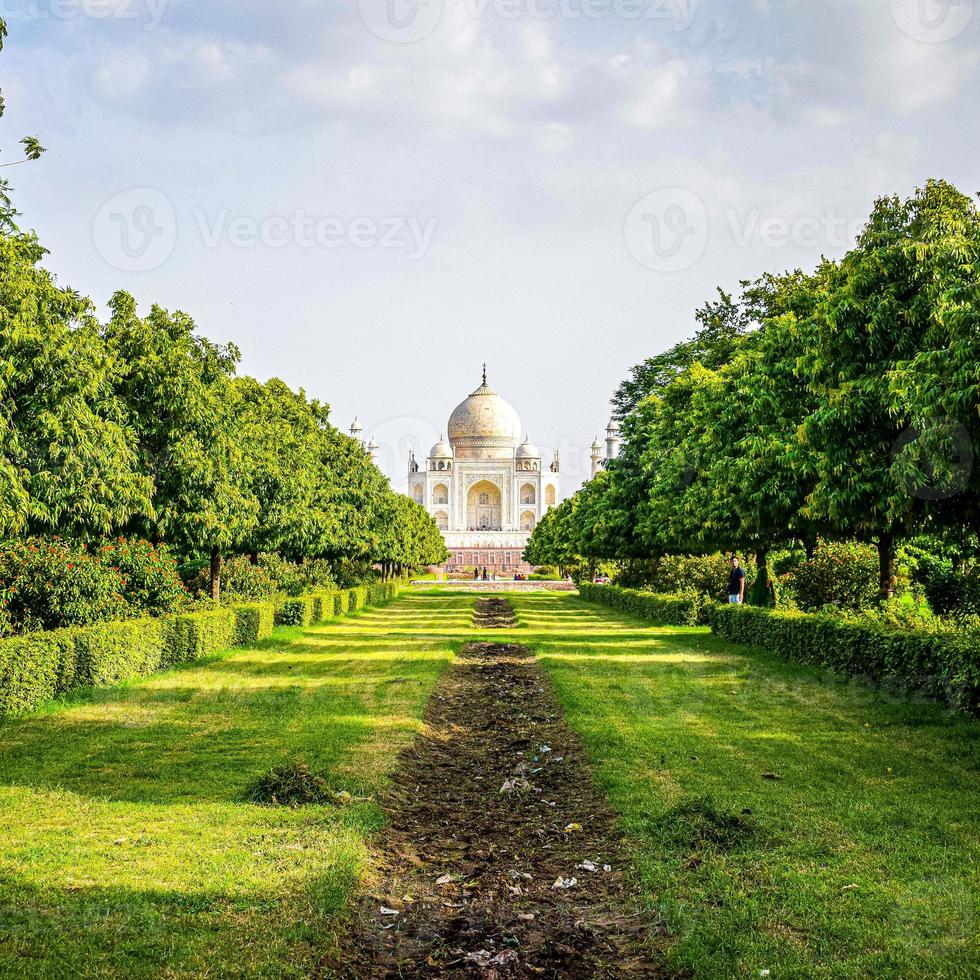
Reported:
(37, 667)
(936, 663)
(321, 605)
(663, 610)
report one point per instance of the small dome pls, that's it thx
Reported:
(527, 450)
(596, 445)
(441, 450)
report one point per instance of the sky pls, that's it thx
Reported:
(370, 199)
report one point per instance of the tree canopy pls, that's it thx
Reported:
(843, 403)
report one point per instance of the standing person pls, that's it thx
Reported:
(736, 583)
(476, 574)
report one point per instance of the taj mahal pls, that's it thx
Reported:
(485, 485)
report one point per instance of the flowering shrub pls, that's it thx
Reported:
(49, 584)
(948, 589)
(241, 580)
(840, 573)
(151, 585)
(245, 580)
(298, 578)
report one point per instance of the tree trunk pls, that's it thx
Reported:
(761, 557)
(215, 575)
(253, 557)
(810, 547)
(886, 566)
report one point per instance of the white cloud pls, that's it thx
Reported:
(122, 74)
(660, 96)
(910, 76)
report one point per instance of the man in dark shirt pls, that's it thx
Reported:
(736, 583)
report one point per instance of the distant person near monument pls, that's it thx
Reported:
(736, 583)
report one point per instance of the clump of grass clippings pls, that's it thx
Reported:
(290, 785)
(698, 823)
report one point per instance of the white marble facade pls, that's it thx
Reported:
(484, 485)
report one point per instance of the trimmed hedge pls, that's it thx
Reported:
(110, 652)
(663, 610)
(937, 663)
(253, 622)
(295, 611)
(37, 667)
(322, 605)
(193, 636)
(317, 607)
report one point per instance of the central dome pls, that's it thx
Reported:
(484, 426)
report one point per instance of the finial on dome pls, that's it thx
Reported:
(484, 372)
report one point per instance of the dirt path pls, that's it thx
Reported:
(494, 614)
(500, 859)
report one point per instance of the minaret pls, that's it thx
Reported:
(372, 451)
(612, 440)
(596, 456)
(356, 429)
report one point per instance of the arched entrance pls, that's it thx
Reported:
(483, 507)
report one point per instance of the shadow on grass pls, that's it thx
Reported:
(206, 730)
(130, 932)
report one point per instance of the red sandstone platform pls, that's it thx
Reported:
(502, 585)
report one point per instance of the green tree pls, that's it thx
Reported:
(553, 539)
(177, 391)
(69, 462)
(911, 274)
(282, 435)
(722, 325)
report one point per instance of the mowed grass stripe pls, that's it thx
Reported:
(125, 846)
(862, 859)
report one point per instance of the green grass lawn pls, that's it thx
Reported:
(862, 860)
(126, 847)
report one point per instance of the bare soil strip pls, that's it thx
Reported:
(494, 614)
(500, 858)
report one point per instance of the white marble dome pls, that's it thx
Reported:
(527, 450)
(441, 450)
(484, 426)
